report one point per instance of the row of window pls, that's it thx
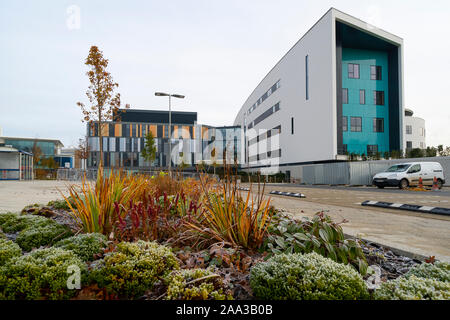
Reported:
(409, 130)
(356, 124)
(267, 94)
(353, 72)
(266, 155)
(378, 97)
(372, 149)
(264, 115)
(265, 135)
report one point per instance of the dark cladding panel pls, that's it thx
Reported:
(154, 116)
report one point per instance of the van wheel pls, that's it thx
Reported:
(439, 183)
(380, 187)
(403, 184)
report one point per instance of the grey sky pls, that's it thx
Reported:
(215, 52)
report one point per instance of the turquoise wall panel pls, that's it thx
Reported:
(357, 141)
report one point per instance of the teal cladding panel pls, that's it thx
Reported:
(357, 141)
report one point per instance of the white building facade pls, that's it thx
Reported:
(414, 131)
(338, 90)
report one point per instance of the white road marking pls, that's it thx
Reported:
(425, 208)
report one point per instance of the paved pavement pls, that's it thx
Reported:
(15, 195)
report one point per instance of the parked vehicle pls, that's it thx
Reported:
(403, 175)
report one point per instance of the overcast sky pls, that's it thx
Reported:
(213, 51)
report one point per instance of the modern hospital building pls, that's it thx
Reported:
(337, 91)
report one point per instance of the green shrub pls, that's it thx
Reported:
(40, 274)
(438, 271)
(132, 268)
(189, 285)
(413, 288)
(42, 234)
(10, 222)
(8, 250)
(320, 234)
(33, 231)
(84, 245)
(306, 277)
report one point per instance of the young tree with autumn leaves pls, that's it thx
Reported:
(104, 102)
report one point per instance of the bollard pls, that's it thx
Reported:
(420, 183)
(435, 184)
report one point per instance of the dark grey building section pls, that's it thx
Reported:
(155, 116)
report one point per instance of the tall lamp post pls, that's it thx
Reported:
(170, 95)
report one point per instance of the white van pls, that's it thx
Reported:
(403, 175)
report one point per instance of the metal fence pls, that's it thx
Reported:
(359, 172)
(91, 174)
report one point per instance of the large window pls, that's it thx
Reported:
(362, 96)
(344, 124)
(378, 98)
(408, 129)
(375, 72)
(344, 95)
(353, 71)
(378, 125)
(356, 124)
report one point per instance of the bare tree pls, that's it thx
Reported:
(82, 150)
(104, 102)
(37, 153)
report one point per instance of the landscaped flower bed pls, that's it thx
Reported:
(136, 237)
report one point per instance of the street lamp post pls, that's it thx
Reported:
(170, 95)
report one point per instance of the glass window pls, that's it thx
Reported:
(344, 124)
(344, 95)
(378, 98)
(408, 129)
(378, 125)
(408, 144)
(372, 149)
(306, 78)
(362, 96)
(353, 71)
(356, 124)
(375, 72)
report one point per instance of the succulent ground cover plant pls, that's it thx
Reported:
(413, 288)
(132, 268)
(196, 284)
(438, 270)
(86, 246)
(8, 250)
(33, 231)
(306, 277)
(41, 274)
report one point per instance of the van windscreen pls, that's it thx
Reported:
(398, 168)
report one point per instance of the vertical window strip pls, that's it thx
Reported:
(307, 77)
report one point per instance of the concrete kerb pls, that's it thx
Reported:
(397, 251)
(288, 194)
(408, 207)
